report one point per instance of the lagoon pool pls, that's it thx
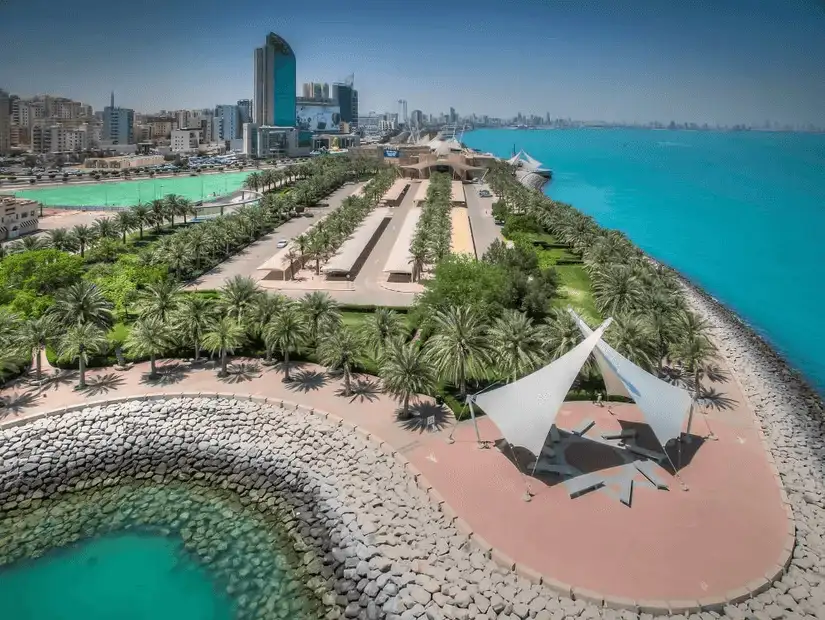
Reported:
(128, 576)
(128, 193)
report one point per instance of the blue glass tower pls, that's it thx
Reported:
(275, 83)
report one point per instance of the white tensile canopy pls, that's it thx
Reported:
(525, 410)
(665, 407)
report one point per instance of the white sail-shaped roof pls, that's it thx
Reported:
(515, 158)
(531, 163)
(665, 407)
(525, 410)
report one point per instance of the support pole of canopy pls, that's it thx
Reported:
(470, 399)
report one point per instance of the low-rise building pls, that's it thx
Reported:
(123, 163)
(186, 140)
(18, 217)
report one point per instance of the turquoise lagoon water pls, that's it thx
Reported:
(127, 193)
(127, 577)
(740, 214)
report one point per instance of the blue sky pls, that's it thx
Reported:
(722, 61)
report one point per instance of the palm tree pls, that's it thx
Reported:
(142, 217)
(81, 303)
(631, 337)
(125, 223)
(157, 212)
(105, 228)
(379, 329)
(322, 313)
(223, 336)
(60, 239)
(695, 352)
(33, 336)
(341, 349)
(265, 309)
(82, 339)
(149, 336)
(238, 296)
(286, 332)
(405, 371)
(617, 290)
(29, 243)
(159, 300)
(517, 344)
(197, 241)
(459, 348)
(176, 256)
(172, 207)
(191, 319)
(560, 333)
(83, 236)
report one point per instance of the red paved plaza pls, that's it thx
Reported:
(726, 531)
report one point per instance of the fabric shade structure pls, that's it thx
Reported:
(525, 410)
(665, 407)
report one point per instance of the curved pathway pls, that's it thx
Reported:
(730, 530)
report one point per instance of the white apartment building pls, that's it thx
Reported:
(17, 217)
(59, 139)
(185, 140)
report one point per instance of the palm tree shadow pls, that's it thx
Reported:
(717, 374)
(424, 416)
(673, 375)
(168, 374)
(18, 402)
(362, 390)
(241, 372)
(712, 398)
(103, 384)
(59, 379)
(307, 381)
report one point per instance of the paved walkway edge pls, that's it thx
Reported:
(655, 607)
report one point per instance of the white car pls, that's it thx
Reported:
(281, 244)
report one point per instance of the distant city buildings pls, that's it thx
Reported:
(244, 113)
(227, 123)
(186, 140)
(275, 83)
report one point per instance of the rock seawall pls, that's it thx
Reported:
(359, 539)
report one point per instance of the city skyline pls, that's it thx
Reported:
(722, 66)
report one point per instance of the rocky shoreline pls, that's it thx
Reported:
(323, 522)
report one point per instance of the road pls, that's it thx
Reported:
(246, 262)
(485, 230)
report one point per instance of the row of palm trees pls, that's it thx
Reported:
(431, 241)
(653, 325)
(322, 241)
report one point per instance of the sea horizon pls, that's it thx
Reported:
(736, 213)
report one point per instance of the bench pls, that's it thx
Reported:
(626, 491)
(656, 456)
(627, 433)
(648, 470)
(555, 468)
(582, 428)
(584, 484)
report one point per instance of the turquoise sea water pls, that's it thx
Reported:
(127, 193)
(127, 577)
(740, 214)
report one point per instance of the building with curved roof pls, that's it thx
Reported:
(275, 83)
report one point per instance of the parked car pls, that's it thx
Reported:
(281, 244)
(308, 214)
(485, 193)
(499, 221)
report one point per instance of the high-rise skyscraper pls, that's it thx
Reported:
(5, 122)
(244, 111)
(118, 124)
(275, 83)
(347, 99)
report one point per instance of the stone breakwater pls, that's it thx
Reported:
(309, 519)
(790, 414)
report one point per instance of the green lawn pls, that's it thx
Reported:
(574, 291)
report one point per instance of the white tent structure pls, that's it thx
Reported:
(665, 407)
(525, 410)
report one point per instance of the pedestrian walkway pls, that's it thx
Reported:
(728, 530)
